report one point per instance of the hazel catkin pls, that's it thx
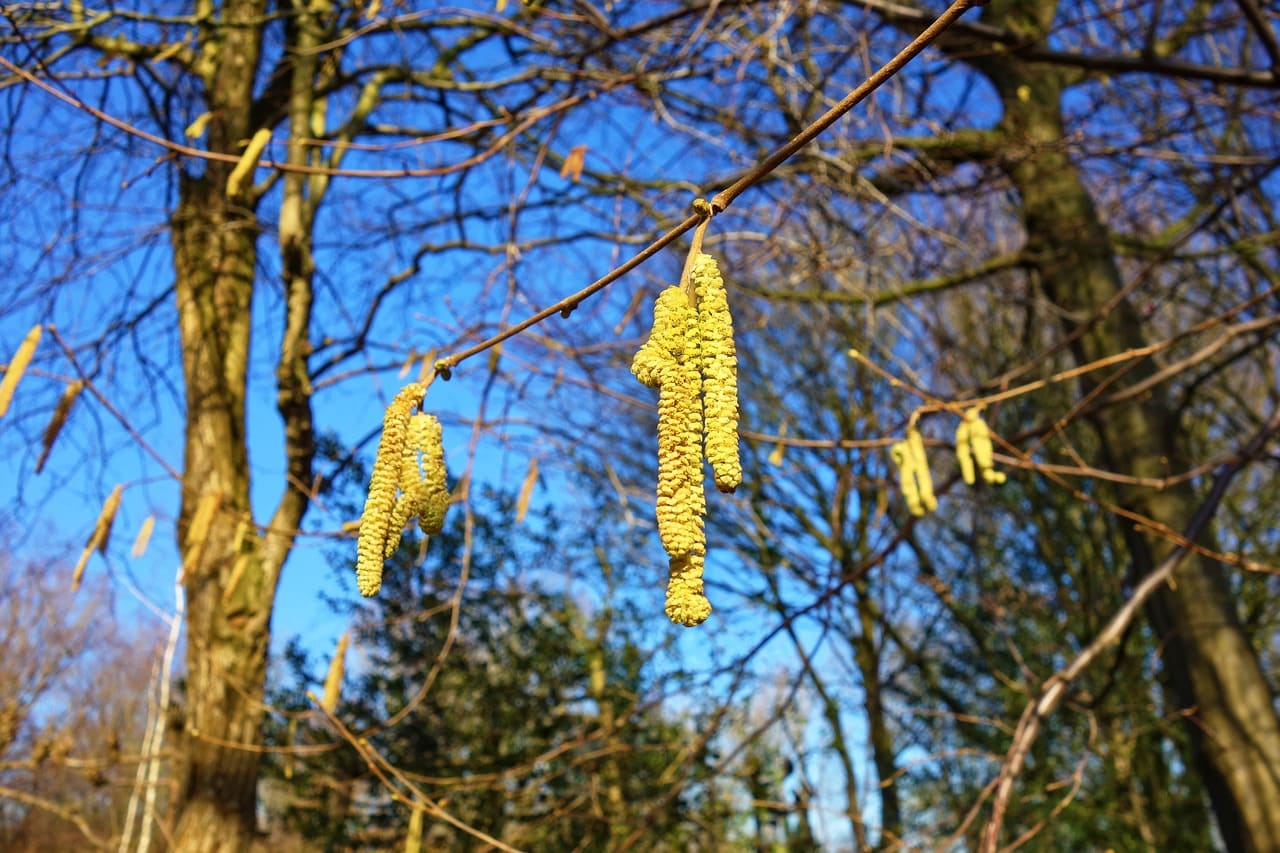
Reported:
(432, 498)
(687, 603)
(719, 365)
(920, 467)
(680, 499)
(974, 449)
(14, 370)
(58, 420)
(380, 504)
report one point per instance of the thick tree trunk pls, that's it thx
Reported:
(1210, 665)
(230, 567)
(226, 633)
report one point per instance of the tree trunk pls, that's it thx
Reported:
(230, 566)
(1211, 667)
(226, 640)
(884, 754)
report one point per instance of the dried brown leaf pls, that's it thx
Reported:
(573, 163)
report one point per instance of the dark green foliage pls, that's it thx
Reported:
(531, 719)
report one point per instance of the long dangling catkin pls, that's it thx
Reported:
(333, 680)
(413, 838)
(690, 361)
(669, 362)
(58, 421)
(198, 529)
(963, 454)
(687, 603)
(380, 503)
(101, 534)
(905, 459)
(143, 538)
(14, 369)
(719, 362)
(680, 500)
(434, 482)
(665, 340)
(920, 467)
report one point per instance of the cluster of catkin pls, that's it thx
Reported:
(409, 480)
(973, 450)
(690, 359)
(973, 447)
(913, 472)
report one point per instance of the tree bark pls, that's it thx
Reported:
(231, 566)
(1210, 665)
(226, 640)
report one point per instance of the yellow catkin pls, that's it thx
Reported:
(198, 530)
(248, 161)
(434, 502)
(413, 838)
(107, 518)
(920, 468)
(379, 506)
(14, 369)
(238, 568)
(333, 681)
(687, 604)
(690, 362)
(719, 363)
(424, 481)
(976, 437)
(412, 494)
(963, 454)
(101, 534)
(666, 341)
(680, 500)
(526, 490)
(58, 421)
(905, 460)
(143, 538)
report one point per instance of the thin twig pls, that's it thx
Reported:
(725, 197)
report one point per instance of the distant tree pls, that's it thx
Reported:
(73, 708)
(546, 725)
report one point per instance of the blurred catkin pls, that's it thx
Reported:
(333, 680)
(101, 534)
(903, 459)
(14, 370)
(143, 538)
(920, 467)
(974, 449)
(58, 420)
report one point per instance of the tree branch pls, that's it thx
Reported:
(1054, 689)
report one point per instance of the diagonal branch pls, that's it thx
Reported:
(725, 197)
(1053, 690)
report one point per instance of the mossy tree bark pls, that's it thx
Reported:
(1210, 665)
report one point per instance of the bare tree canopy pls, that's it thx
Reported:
(1001, 282)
